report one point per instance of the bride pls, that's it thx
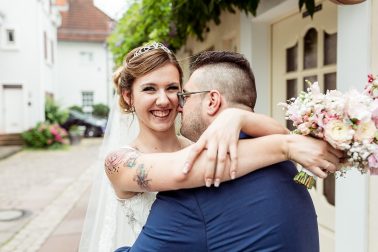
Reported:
(144, 122)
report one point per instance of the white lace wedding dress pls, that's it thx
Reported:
(110, 222)
(136, 210)
(115, 222)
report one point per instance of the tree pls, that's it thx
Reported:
(172, 21)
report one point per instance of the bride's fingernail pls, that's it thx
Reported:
(217, 183)
(186, 168)
(208, 182)
(233, 175)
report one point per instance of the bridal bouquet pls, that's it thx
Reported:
(346, 121)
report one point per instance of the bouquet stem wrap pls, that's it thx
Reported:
(306, 178)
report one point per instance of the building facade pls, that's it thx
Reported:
(28, 43)
(84, 63)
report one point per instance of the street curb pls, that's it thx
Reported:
(7, 151)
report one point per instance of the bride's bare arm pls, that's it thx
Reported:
(132, 171)
(221, 138)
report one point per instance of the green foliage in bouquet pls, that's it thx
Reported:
(100, 110)
(45, 136)
(53, 113)
(171, 22)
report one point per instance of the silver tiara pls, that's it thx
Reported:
(150, 47)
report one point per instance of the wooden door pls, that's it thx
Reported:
(305, 48)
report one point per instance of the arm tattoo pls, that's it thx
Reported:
(141, 178)
(118, 159)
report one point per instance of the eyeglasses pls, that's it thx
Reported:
(183, 95)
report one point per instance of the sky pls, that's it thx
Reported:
(114, 8)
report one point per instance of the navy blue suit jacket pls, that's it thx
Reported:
(262, 211)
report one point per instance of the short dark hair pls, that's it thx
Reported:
(230, 73)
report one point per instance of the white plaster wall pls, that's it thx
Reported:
(353, 65)
(218, 38)
(255, 46)
(75, 74)
(24, 63)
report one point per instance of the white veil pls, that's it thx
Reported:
(106, 226)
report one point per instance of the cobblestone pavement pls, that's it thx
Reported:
(47, 185)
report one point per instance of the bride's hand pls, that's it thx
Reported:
(220, 138)
(315, 155)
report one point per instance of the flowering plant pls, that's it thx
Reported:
(46, 135)
(347, 121)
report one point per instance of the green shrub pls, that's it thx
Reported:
(76, 108)
(45, 135)
(100, 110)
(53, 113)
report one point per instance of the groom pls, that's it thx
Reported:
(262, 211)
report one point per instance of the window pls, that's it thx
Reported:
(310, 49)
(10, 36)
(291, 91)
(52, 51)
(292, 58)
(87, 101)
(330, 48)
(86, 57)
(45, 44)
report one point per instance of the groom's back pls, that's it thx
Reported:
(262, 211)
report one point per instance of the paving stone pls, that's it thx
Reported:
(47, 184)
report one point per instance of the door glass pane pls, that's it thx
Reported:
(330, 48)
(310, 49)
(329, 189)
(292, 58)
(311, 79)
(291, 91)
(329, 81)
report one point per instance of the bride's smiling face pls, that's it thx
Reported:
(154, 98)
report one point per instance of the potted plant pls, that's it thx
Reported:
(75, 135)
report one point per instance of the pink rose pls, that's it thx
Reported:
(374, 114)
(373, 161)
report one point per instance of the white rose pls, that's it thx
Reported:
(338, 134)
(365, 131)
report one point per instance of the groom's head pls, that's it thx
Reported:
(220, 80)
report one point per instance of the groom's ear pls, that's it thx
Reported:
(214, 102)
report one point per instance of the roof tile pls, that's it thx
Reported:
(84, 22)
